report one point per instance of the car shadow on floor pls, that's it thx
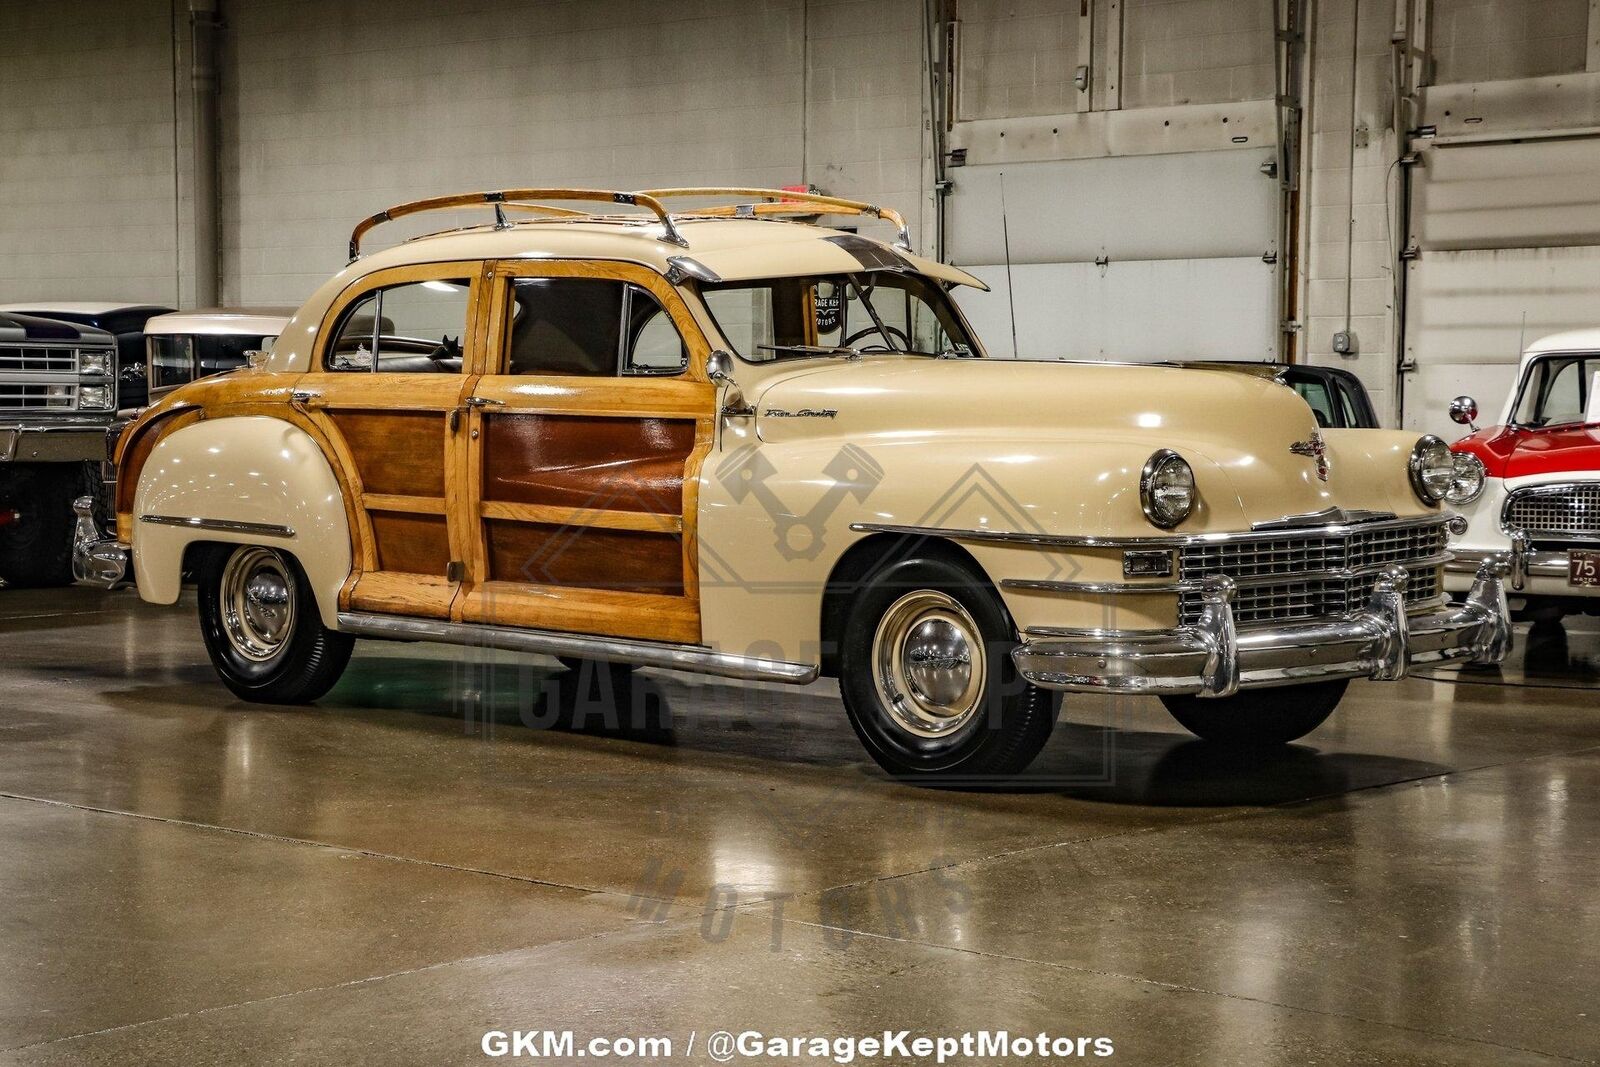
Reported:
(1114, 765)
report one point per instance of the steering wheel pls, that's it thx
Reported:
(893, 331)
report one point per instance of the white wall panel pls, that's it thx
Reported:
(1469, 314)
(1221, 308)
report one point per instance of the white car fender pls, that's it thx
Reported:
(248, 479)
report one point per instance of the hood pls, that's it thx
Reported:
(1235, 429)
(17, 327)
(1515, 452)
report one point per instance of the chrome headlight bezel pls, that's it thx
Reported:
(1160, 506)
(101, 396)
(97, 364)
(1432, 468)
(1470, 478)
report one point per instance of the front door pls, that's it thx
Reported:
(584, 447)
(387, 388)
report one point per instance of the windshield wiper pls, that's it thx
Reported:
(815, 350)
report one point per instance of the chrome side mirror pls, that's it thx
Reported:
(719, 368)
(1464, 410)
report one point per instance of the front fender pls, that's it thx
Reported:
(241, 469)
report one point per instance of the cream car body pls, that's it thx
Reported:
(1299, 558)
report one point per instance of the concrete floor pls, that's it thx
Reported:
(384, 877)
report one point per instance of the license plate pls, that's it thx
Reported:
(1583, 568)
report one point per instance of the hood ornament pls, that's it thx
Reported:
(1317, 449)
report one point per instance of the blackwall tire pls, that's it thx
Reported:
(261, 627)
(928, 683)
(1259, 716)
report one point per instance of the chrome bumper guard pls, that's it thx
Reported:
(1523, 561)
(1213, 658)
(96, 559)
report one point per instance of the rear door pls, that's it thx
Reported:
(391, 374)
(585, 441)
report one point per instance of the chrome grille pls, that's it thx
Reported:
(62, 396)
(35, 358)
(1322, 573)
(1570, 510)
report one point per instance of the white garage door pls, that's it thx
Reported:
(1133, 258)
(1509, 241)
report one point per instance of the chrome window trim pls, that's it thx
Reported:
(1164, 541)
(263, 529)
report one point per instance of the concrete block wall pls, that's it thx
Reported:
(1018, 57)
(1349, 195)
(1487, 40)
(1196, 52)
(87, 204)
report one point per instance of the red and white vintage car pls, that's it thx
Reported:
(1537, 493)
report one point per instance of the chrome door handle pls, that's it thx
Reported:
(484, 402)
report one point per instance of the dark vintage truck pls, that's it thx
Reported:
(58, 400)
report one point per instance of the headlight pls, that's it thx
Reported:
(94, 396)
(1467, 483)
(94, 363)
(1166, 489)
(1433, 469)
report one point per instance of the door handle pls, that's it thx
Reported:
(300, 400)
(484, 402)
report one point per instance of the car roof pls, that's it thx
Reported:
(1587, 340)
(724, 249)
(79, 307)
(251, 321)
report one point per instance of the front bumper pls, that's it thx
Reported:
(96, 559)
(1213, 658)
(1529, 571)
(69, 442)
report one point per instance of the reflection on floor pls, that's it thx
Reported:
(460, 841)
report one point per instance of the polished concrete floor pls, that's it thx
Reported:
(456, 842)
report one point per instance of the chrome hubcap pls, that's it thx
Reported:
(928, 664)
(257, 597)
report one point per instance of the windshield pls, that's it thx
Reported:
(1558, 391)
(838, 314)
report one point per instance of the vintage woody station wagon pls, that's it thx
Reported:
(730, 440)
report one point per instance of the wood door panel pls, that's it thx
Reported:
(594, 462)
(396, 453)
(586, 557)
(415, 544)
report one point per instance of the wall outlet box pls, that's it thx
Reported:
(1344, 343)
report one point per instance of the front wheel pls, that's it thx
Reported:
(1259, 716)
(927, 678)
(262, 630)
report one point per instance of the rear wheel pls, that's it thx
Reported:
(262, 630)
(36, 537)
(1259, 716)
(927, 679)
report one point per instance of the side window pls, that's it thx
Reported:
(654, 344)
(1315, 392)
(171, 360)
(414, 328)
(565, 326)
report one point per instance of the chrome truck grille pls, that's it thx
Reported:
(1309, 574)
(39, 377)
(1551, 512)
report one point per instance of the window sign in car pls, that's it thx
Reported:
(413, 328)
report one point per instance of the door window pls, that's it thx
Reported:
(591, 327)
(417, 327)
(1315, 392)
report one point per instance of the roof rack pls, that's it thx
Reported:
(769, 202)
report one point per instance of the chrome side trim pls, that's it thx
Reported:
(1165, 541)
(694, 658)
(262, 529)
(1192, 584)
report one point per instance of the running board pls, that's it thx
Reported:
(694, 658)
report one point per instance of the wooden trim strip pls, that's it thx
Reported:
(415, 505)
(589, 517)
